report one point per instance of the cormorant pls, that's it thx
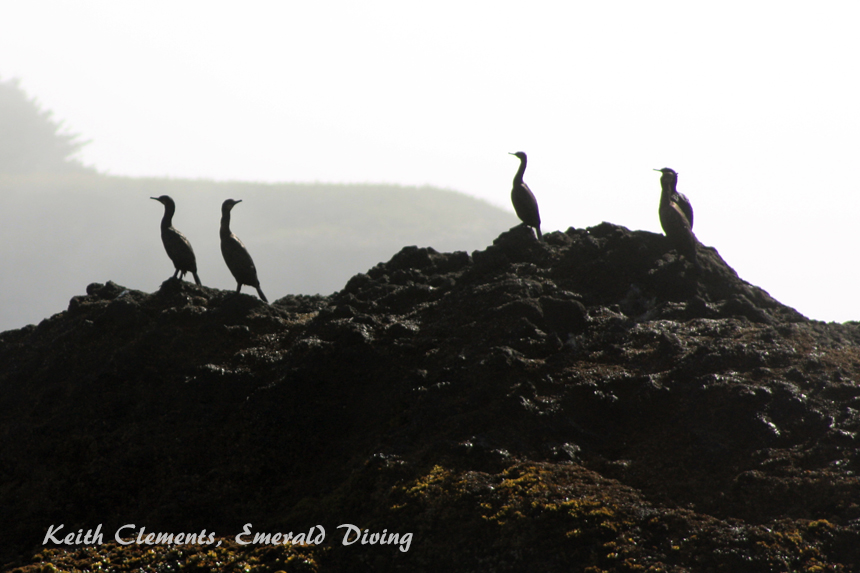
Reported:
(236, 256)
(177, 246)
(523, 199)
(670, 178)
(676, 216)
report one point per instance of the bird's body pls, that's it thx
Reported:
(523, 199)
(676, 215)
(175, 243)
(235, 254)
(685, 206)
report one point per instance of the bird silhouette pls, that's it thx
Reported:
(177, 246)
(523, 199)
(236, 256)
(676, 216)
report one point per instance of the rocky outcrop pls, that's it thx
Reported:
(588, 402)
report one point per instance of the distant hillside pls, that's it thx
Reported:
(61, 232)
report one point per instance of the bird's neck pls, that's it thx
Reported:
(518, 178)
(668, 183)
(167, 220)
(225, 223)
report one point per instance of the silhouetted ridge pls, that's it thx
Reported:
(490, 403)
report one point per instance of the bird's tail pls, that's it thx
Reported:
(262, 296)
(540, 235)
(196, 279)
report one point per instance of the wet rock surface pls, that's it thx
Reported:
(591, 403)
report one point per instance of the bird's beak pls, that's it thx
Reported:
(510, 153)
(658, 170)
(156, 198)
(239, 201)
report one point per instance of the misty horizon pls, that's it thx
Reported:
(755, 113)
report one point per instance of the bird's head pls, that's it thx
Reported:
(227, 205)
(164, 200)
(520, 154)
(668, 181)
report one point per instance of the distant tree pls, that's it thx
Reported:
(31, 141)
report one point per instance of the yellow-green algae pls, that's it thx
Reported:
(229, 557)
(466, 520)
(586, 522)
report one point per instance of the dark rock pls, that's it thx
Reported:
(591, 401)
(564, 316)
(412, 258)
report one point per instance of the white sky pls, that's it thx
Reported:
(755, 104)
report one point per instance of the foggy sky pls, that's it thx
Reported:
(754, 104)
